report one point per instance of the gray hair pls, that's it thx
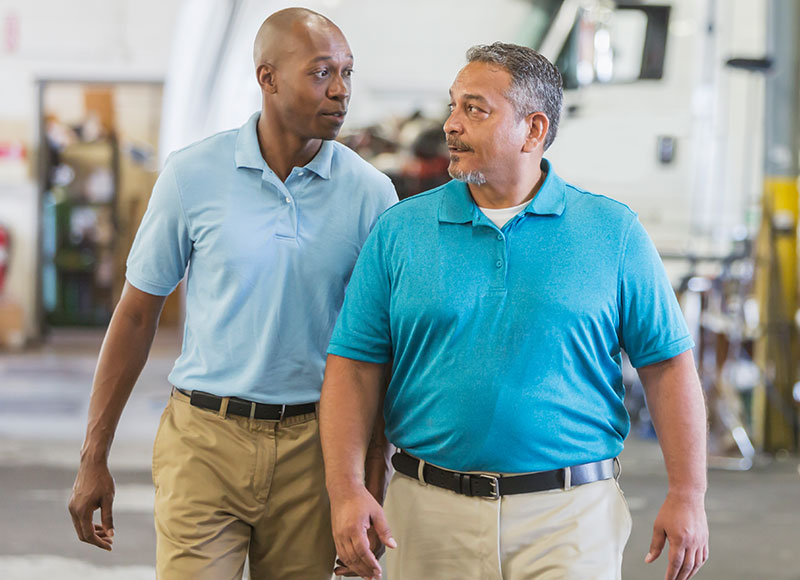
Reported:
(536, 84)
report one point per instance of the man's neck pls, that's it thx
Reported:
(282, 150)
(497, 194)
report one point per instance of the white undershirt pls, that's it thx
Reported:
(501, 216)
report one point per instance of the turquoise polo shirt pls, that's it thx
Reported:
(506, 343)
(268, 261)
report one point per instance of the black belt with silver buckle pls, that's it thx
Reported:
(244, 408)
(494, 487)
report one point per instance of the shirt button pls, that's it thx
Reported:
(499, 263)
(499, 236)
(288, 200)
(301, 172)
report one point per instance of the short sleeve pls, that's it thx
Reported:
(389, 195)
(162, 248)
(652, 327)
(362, 331)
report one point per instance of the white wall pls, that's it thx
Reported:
(75, 39)
(82, 39)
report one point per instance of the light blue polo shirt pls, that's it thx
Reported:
(506, 343)
(267, 261)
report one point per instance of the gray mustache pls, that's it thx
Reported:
(458, 145)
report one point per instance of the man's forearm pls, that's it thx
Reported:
(351, 393)
(378, 461)
(122, 358)
(676, 405)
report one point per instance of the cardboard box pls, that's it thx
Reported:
(12, 325)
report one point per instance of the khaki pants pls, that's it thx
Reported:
(578, 534)
(229, 487)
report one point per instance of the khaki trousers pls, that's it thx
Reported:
(578, 534)
(228, 487)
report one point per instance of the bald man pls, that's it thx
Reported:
(265, 223)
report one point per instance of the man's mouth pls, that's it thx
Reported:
(336, 114)
(458, 147)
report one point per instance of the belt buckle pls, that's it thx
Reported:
(494, 485)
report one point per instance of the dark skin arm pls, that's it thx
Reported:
(351, 395)
(376, 472)
(122, 357)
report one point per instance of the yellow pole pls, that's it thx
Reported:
(774, 412)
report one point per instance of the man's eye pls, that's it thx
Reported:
(473, 109)
(321, 74)
(347, 73)
(450, 107)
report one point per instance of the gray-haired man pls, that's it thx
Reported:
(504, 299)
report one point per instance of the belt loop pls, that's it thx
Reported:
(567, 478)
(252, 410)
(223, 407)
(618, 465)
(420, 472)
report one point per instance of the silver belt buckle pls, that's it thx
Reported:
(494, 486)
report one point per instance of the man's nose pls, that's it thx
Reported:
(452, 124)
(339, 88)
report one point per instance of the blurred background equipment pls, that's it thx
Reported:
(97, 167)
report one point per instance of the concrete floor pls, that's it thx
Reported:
(754, 516)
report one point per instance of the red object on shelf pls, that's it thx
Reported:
(4, 256)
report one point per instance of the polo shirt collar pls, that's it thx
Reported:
(248, 152)
(458, 207)
(321, 164)
(551, 197)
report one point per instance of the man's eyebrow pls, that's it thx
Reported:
(475, 98)
(328, 57)
(470, 97)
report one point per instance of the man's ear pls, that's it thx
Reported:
(537, 125)
(265, 74)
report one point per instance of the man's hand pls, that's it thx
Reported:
(359, 530)
(375, 546)
(681, 522)
(93, 490)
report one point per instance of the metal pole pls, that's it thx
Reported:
(775, 414)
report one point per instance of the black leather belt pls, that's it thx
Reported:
(244, 408)
(494, 487)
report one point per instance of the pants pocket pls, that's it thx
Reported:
(157, 452)
(625, 509)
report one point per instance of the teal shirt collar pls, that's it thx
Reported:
(458, 207)
(248, 153)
